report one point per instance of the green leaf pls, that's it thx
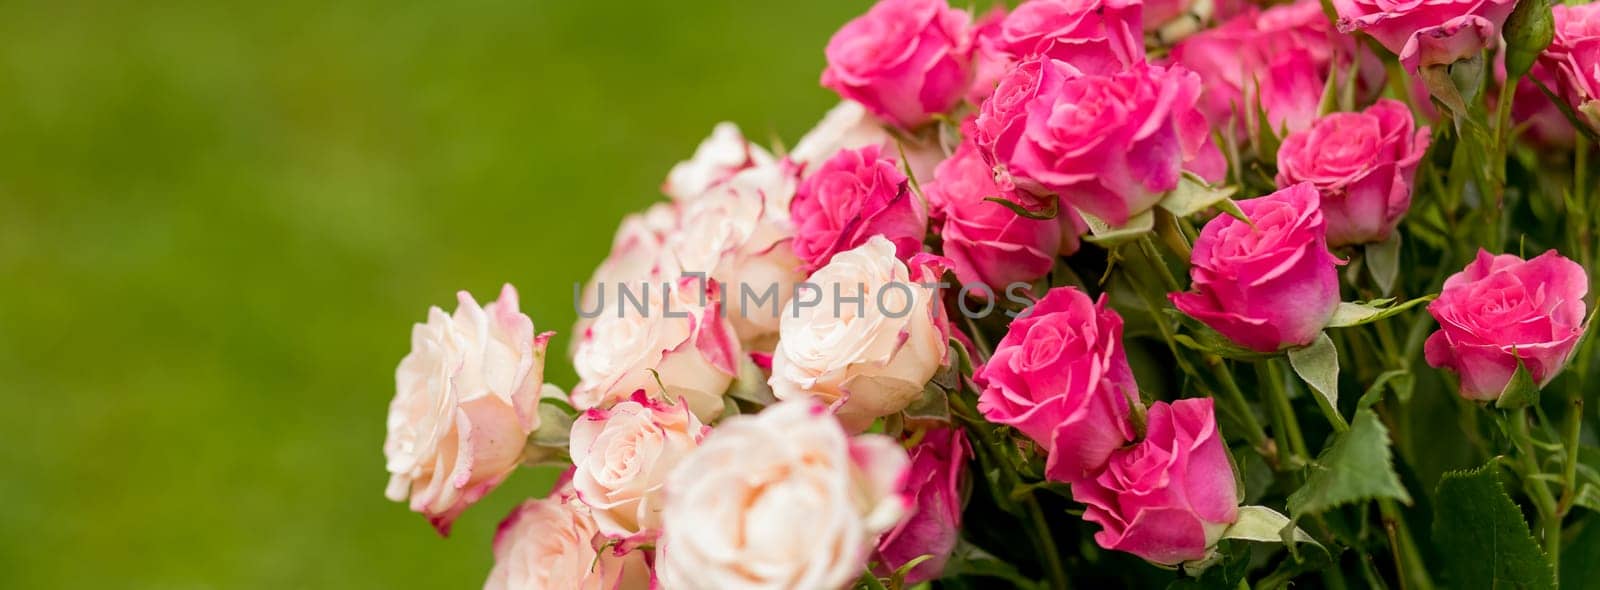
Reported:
(1264, 525)
(1357, 313)
(1520, 392)
(1103, 234)
(1203, 338)
(1383, 262)
(933, 405)
(1482, 537)
(1318, 365)
(1356, 466)
(1528, 32)
(550, 441)
(1572, 116)
(1580, 557)
(1588, 496)
(751, 385)
(1194, 195)
(898, 580)
(1015, 207)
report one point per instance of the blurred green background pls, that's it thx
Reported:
(219, 220)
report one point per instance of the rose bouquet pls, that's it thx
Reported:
(1080, 293)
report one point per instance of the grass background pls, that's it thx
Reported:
(218, 221)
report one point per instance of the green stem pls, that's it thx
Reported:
(1413, 573)
(1231, 395)
(1044, 542)
(1047, 545)
(1284, 424)
(1544, 503)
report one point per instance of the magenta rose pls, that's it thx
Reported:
(1060, 376)
(905, 60)
(1362, 164)
(1168, 498)
(1500, 309)
(990, 63)
(1266, 287)
(1110, 145)
(1274, 62)
(935, 480)
(1099, 36)
(1571, 60)
(985, 241)
(1427, 32)
(854, 195)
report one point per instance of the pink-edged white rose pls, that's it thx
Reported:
(781, 499)
(1362, 164)
(718, 158)
(1427, 32)
(855, 195)
(869, 359)
(936, 480)
(905, 60)
(1110, 145)
(635, 259)
(1500, 309)
(621, 457)
(553, 544)
(1169, 497)
(464, 405)
(674, 338)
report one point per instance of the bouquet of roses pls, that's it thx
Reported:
(1183, 293)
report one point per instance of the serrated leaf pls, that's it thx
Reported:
(1520, 392)
(1383, 262)
(1264, 525)
(1103, 234)
(1357, 313)
(1482, 537)
(1193, 195)
(1318, 365)
(1356, 465)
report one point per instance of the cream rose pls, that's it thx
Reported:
(553, 543)
(675, 339)
(781, 499)
(621, 458)
(635, 258)
(869, 358)
(464, 405)
(719, 157)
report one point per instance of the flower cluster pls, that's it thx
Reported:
(1092, 257)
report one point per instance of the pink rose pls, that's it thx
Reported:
(1096, 36)
(1168, 498)
(1362, 164)
(1271, 286)
(856, 194)
(1429, 32)
(935, 480)
(1572, 60)
(1060, 376)
(1275, 61)
(1545, 124)
(1110, 145)
(621, 458)
(1502, 308)
(989, 61)
(905, 60)
(986, 242)
(465, 402)
(552, 543)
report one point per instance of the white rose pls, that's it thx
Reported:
(678, 341)
(738, 234)
(781, 499)
(869, 359)
(621, 458)
(721, 155)
(849, 126)
(464, 405)
(552, 543)
(636, 252)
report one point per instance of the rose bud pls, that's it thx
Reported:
(1110, 145)
(1571, 60)
(552, 543)
(675, 338)
(1362, 164)
(1169, 497)
(1096, 36)
(1502, 309)
(935, 480)
(856, 194)
(1274, 61)
(717, 159)
(621, 457)
(1427, 33)
(779, 499)
(905, 60)
(985, 241)
(1060, 376)
(864, 335)
(1266, 287)
(465, 402)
